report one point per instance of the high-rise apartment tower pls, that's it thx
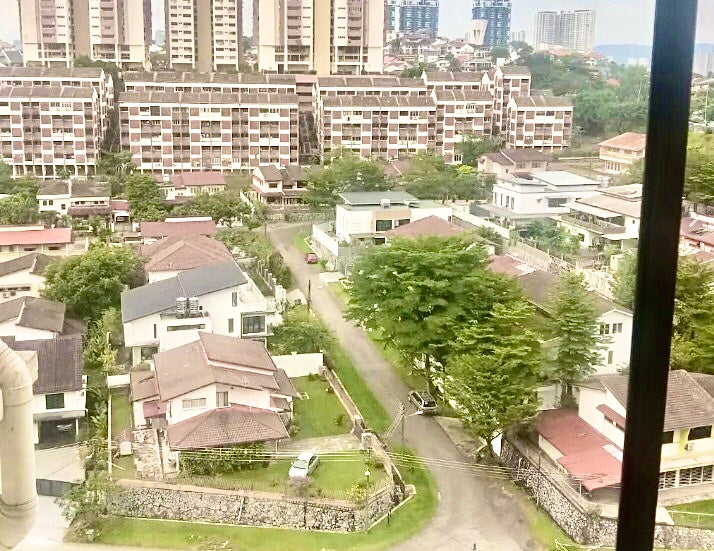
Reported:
(497, 14)
(204, 35)
(321, 36)
(55, 32)
(574, 30)
(413, 16)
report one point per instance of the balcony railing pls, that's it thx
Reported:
(594, 224)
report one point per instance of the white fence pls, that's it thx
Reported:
(471, 220)
(300, 365)
(324, 239)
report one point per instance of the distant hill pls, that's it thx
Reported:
(620, 53)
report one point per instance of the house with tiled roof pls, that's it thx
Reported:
(621, 152)
(431, 226)
(280, 188)
(18, 240)
(190, 184)
(75, 198)
(213, 392)
(587, 443)
(32, 318)
(174, 227)
(168, 257)
(22, 276)
(507, 161)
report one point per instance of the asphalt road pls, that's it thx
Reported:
(473, 510)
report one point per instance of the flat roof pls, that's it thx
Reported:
(368, 198)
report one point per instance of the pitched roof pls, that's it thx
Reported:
(426, 227)
(197, 179)
(689, 400)
(524, 155)
(143, 385)
(59, 362)
(625, 200)
(90, 188)
(375, 197)
(49, 92)
(632, 141)
(515, 70)
(35, 262)
(449, 76)
(509, 265)
(51, 72)
(34, 313)
(226, 426)
(378, 101)
(271, 173)
(203, 77)
(53, 187)
(219, 359)
(157, 230)
(51, 236)
(543, 101)
(463, 95)
(184, 253)
(202, 98)
(161, 296)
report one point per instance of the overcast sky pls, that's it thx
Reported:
(618, 21)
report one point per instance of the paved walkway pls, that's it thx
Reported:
(323, 444)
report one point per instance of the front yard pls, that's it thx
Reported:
(322, 413)
(697, 513)
(121, 422)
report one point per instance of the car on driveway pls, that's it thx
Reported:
(304, 465)
(423, 401)
(312, 258)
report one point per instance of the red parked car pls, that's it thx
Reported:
(311, 258)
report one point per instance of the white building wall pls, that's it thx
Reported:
(620, 344)
(21, 278)
(349, 222)
(9, 329)
(175, 413)
(588, 401)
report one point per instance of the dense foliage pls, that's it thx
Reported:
(429, 177)
(554, 239)
(224, 460)
(145, 198)
(256, 245)
(300, 333)
(225, 207)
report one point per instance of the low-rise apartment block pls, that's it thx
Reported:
(172, 132)
(227, 83)
(50, 131)
(539, 122)
(508, 82)
(447, 80)
(459, 114)
(621, 152)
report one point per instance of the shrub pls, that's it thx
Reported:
(339, 419)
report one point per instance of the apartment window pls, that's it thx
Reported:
(222, 399)
(230, 325)
(234, 298)
(610, 357)
(253, 324)
(616, 328)
(54, 401)
(383, 225)
(698, 433)
(668, 437)
(193, 403)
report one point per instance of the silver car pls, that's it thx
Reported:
(423, 401)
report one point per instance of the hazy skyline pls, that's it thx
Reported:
(618, 21)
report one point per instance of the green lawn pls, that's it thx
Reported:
(374, 413)
(121, 413)
(300, 244)
(405, 522)
(706, 507)
(124, 467)
(319, 415)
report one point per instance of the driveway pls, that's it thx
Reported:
(473, 510)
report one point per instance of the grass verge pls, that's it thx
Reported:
(322, 413)
(300, 244)
(680, 517)
(340, 292)
(405, 522)
(121, 413)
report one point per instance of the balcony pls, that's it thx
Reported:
(592, 223)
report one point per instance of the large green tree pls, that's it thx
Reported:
(145, 198)
(429, 177)
(574, 321)
(625, 279)
(494, 374)
(346, 172)
(225, 207)
(417, 295)
(18, 209)
(91, 283)
(300, 332)
(472, 147)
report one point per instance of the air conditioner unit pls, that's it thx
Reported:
(689, 446)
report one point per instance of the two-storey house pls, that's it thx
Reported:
(190, 184)
(22, 276)
(75, 198)
(507, 161)
(280, 188)
(621, 152)
(31, 318)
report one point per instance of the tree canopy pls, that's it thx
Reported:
(472, 147)
(18, 209)
(145, 198)
(91, 283)
(225, 207)
(300, 333)
(429, 177)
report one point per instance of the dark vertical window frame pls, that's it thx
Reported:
(671, 79)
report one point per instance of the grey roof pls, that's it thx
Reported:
(625, 200)
(53, 187)
(463, 95)
(177, 77)
(35, 313)
(524, 155)
(35, 262)
(357, 198)
(202, 98)
(51, 72)
(448, 76)
(91, 188)
(271, 173)
(59, 362)
(49, 92)
(378, 101)
(543, 101)
(516, 70)
(689, 403)
(161, 296)
(383, 81)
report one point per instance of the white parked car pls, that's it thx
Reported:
(304, 465)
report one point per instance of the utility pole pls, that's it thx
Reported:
(309, 293)
(402, 412)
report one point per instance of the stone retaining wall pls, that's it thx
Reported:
(588, 527)
(190, 503)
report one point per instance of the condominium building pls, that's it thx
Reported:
(412, 16)
(539, 122)
(204, 35)
(497, 14)
(83, 77)
(55, 32)
(227, 83)
(447, 80)
(507, 82)
(460, 113)
(321, 36)
(50, 131)
(384, 85)
(574, 30)
(171, 132)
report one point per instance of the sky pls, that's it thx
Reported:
(618, 21)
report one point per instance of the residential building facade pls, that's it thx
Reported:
(50, 131)
(539, 122)
(461, 114)
(22, 276)
(412, 16)
(204, 35)
(497, 14)
(509, 161)
(56, 32)
(321, 36)
(171, 132)
(280, 188)
(75, 198)
(621, 152)
(220, 82)
(508, 82)
(574, 30)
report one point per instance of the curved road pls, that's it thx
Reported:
(472, 510)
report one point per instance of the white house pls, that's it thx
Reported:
(22, 276)
(368, 216)
(587, 443)
(609, 217)
(521, 197)
(190, 184)
(19, 240)
(212, 392)
(31, 318)
(168, 257)
(618, 154)
(280, 188)
(507, 161)
(59, 393)
(218, 298)
(76, 198)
